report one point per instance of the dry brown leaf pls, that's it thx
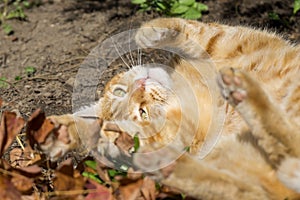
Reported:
(63, 182)
(131, 191)
(148, 189)
(101, 192)
(8, 191)
(125, 142)
(38, 127)
(31, 171)
(102, 173)
(15, 157)
(66, 178)
(32, 197)
(1, 103)
(32, 155)
(134, 175)
(22, 183)
(10, 126)
(66, 167)
(21, 158)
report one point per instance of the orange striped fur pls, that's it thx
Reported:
(257, 155)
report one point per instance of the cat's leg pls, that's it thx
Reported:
(194, 177)
(196, 40)
(70, 133)
(175, 33)
(276, 135)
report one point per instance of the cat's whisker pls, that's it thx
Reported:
(114, 43)
(129, 42)
(138, 56)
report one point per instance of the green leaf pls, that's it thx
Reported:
(8, 30)
(91, 163)
(274, 16)
(26, 4)
(179, 9)
(3, 83)
(112, 172)
(187, 148)
(17, 78)
(145, 7)
(136, 141)
(192, 13)
(161, 6)
(138, 1)
(30, 70)
(296, 6)
(22, 14)
(200, 7)
(187, 2)
(92, 176)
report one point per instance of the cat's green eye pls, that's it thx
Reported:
(119, 92)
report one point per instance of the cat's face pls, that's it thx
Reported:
(140, 94)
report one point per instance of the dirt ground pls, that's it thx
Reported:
(59, 34)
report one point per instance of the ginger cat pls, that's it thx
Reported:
(257, 155)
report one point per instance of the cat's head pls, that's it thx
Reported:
(140, 94)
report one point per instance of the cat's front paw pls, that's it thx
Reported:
(233, 85)
(62, 139)
(152, 37)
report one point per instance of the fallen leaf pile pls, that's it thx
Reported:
(26, 173)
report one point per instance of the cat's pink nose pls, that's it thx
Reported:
(140, 82)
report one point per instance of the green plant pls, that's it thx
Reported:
(12, 9)
(188, 9)
(92, 175)
(296, 6)
(8, 30)
(30, 70)
(3, 83)
(274, 16)
(18, 78)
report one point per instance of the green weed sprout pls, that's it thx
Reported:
(188, 9)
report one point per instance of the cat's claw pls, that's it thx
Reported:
(151, 37)
(232, 85)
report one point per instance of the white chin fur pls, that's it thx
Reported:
(289, 173)
(157, 74)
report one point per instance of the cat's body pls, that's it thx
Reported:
(256, 156)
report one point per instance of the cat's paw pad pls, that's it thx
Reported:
(151, 37)
(289, 173)
(232, 85)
